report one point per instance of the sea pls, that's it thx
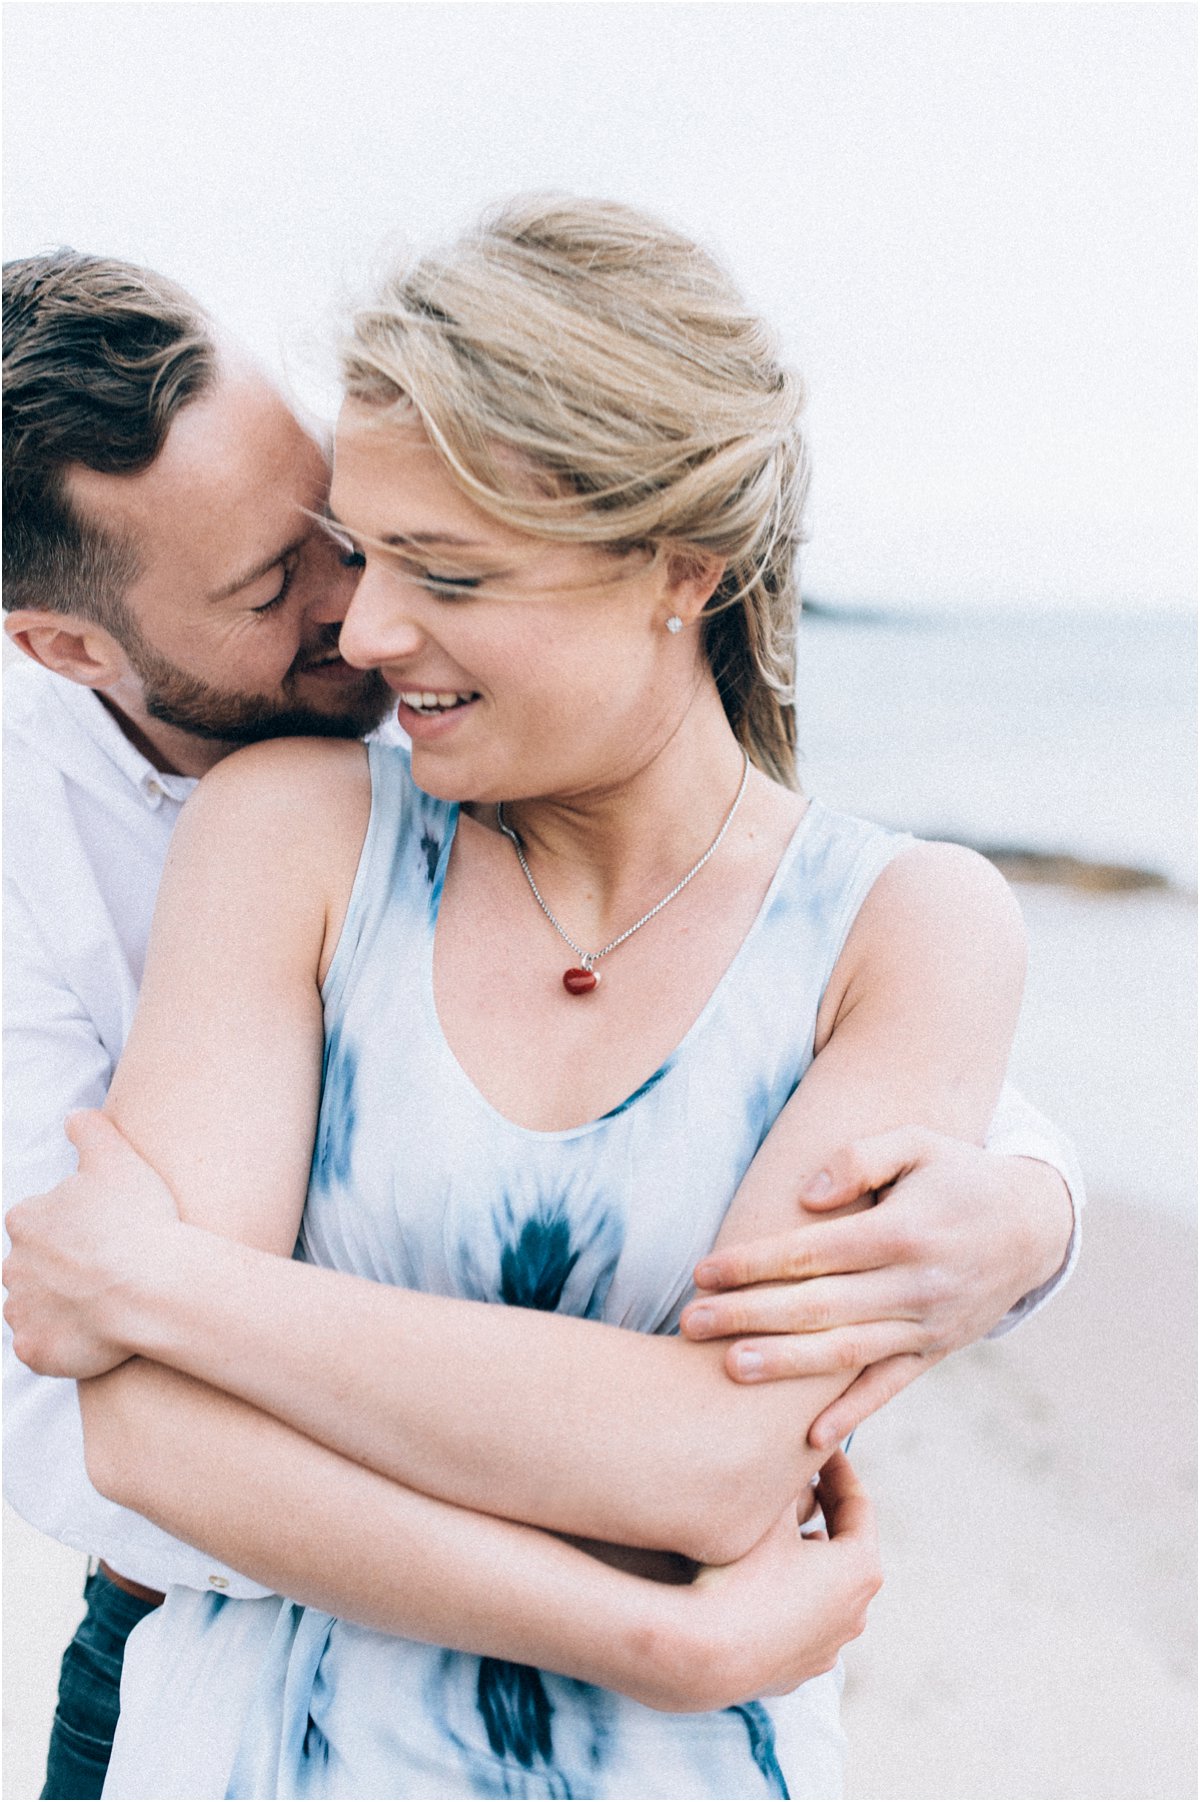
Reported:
(1062, 745)
(1058, 734)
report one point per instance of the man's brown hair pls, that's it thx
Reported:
(99, 357)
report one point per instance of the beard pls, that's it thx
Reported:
(190, 704)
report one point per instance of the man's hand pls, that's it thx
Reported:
(781, 1614)
(74, 1249)
(958, 1237)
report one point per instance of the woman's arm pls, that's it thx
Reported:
(511, 1412)
(314, 1527)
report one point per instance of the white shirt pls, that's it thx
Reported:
(87, 821)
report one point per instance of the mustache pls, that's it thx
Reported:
(318, 651)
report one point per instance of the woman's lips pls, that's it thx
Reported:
(432, 701)
(429, 712)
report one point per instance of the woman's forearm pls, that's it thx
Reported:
(315, 1527)
(533, 1416)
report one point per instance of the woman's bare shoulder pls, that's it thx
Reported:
(939, 936)
(285, 817)
(934, 896)
(303, 788)
(284, 770)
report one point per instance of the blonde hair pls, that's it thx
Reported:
(617, 358)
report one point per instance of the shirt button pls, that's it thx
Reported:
(218, 1582)
(154, 789)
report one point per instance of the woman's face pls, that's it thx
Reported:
(523, 668)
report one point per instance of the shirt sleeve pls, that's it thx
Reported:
(56, 1061)
(1019, 1131)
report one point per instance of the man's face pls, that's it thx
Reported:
(232, 624)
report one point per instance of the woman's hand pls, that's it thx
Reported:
(959, 1237)
(781, 1614)
(76, 1249)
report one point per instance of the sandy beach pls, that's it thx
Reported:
(1035, 1635)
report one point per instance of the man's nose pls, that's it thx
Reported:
(333, 589)
(378, 628)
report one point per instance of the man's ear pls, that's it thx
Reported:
(693, 577)
(68, 644)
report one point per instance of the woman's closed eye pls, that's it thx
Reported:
(444, 585)
(434, 581)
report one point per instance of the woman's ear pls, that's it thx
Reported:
(68, 644)
(693, 577)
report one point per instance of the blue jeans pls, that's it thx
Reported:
(89, 1691)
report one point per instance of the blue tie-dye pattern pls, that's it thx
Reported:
(315, 1743)
(282, 1740)
(436, 839)
(761, 1730)
(432, 847)
(516, 1711)
(534, 1271)
(416, 1181)
(538, 1255)
(559, 1255)
(763, 1105)
(598, 1705)
(516, 1707)
(651, 1082)
(335, 1131)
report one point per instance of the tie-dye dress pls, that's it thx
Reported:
(418, 1181)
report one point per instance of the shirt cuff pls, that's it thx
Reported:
(1031, 1136)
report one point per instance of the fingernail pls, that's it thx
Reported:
(817, 1187)
(748, 1363)
(701, 1320)
(706, 1275)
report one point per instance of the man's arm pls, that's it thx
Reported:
(872, 1290)
(55, 1061)
(964, 1243)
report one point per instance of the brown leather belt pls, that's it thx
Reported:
(130, 1587)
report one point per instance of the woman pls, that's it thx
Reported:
(571, 468)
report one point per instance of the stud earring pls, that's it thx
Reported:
(674, 624)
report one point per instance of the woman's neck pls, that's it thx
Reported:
(621, 844)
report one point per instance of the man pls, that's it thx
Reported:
(176, 596)
(178, 638)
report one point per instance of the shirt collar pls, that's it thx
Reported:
(90, 716)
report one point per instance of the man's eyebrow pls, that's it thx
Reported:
(249, 576)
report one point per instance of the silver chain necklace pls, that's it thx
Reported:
(580, 981)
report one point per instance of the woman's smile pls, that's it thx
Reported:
(425, 713)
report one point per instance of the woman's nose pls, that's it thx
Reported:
(377, 627)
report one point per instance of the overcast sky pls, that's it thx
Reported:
(973, 224)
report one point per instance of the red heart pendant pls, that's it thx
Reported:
(579, 982)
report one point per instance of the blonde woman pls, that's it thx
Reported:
(507, 1022)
